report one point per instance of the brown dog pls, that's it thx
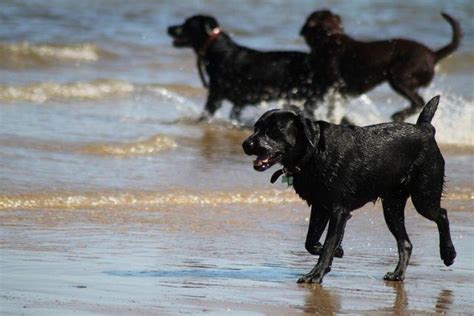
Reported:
(356, 67)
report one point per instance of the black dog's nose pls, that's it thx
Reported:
(248, 146)
(303, 30)
(175, 30)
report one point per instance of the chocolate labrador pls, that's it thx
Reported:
(357, 67)
(242, 75)
(337, 169)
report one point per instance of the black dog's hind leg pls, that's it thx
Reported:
(337, 224)
(393, 211)
(317, 224)
(426, 197)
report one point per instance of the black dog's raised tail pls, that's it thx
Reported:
(428, 111)
(457, 35)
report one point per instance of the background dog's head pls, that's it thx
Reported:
(319, 25)
(280, 137)
(194, 32)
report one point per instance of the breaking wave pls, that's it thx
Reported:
(24, 55)
(46, 91)
(140, 200)
(152, 145)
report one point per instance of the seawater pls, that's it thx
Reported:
(98, 110)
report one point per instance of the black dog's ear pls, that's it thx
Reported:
(311, 131)
(210, 25)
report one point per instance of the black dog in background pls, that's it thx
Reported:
(242, 75)
(360, 66)
(337, 169)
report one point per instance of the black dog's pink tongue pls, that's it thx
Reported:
(260, 161)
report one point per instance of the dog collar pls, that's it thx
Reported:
(290, 172)
(215, 33)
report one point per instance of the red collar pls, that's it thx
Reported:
(215, 33)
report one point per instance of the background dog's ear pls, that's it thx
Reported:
(210, 25)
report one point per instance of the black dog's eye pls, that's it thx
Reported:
(273, 132)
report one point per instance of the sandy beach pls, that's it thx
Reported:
(223, 257)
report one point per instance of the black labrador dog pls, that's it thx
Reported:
(357, 67)
(337, 169)
(242, 75)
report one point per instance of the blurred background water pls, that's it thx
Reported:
(95, 102)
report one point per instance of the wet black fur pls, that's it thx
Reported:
(356, 67)
(352, 166)
(246, 76)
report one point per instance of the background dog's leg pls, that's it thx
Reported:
(213, 103)
(235, 112)
(393, 211)
(426, 197)
(337, 224)
(309, 106)
(317, 224)
(416, 101)
(332, 101)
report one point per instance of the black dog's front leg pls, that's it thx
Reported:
(317, 223)
(235, 112)
(337, 224)
(214, 102)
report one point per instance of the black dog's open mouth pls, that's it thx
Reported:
(263, 162)
(181, 41)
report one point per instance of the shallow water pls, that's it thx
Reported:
(107, 180)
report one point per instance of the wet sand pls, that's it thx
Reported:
(223, 258)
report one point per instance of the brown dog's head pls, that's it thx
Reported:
(320, 25)
(194, 32)
(280, 136)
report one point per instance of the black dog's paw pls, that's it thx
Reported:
(448, 254)
(205, 117)
(346, 121)
(339, 252)
(311, 278)
(393, 276)
(318, 248)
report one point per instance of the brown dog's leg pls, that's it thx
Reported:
(393, 211)
(416, 101)
(337, 224)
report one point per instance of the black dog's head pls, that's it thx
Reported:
(280, 137)
(194, 32)
(319, 25)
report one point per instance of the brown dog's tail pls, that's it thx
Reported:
(457, 35)
(428, 112)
